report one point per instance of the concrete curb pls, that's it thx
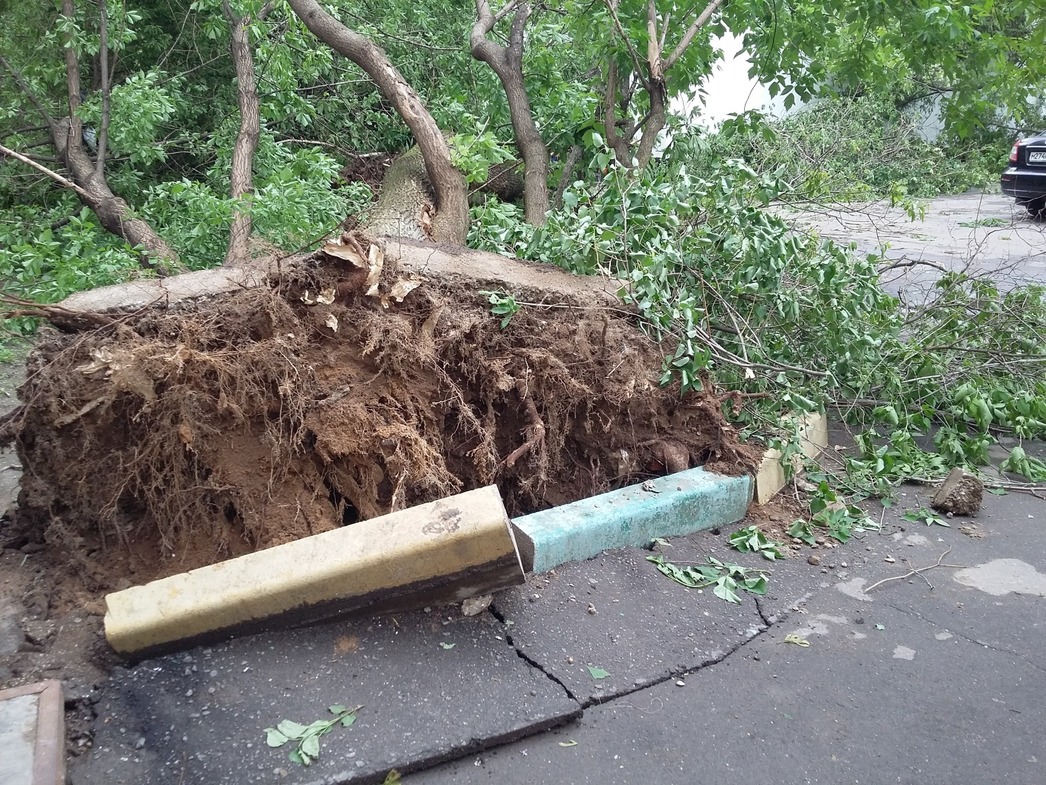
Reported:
(671, 506)
(32, 734)
(442, 551)
(813, 440)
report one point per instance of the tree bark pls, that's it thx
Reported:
(653, 76)
(448, 184)
(507, 63)
(114, 214)
(242, 172)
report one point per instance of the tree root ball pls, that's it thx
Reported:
(182, 435)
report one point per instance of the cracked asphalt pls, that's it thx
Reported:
(607, 672)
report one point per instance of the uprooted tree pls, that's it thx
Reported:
(357, 380)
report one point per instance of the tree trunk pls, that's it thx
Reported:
(656, 120)
(114, 214)
(448, 184)
(507, 63)
(241, 176)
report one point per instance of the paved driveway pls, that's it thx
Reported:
(980, 233)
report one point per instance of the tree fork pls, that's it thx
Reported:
(452, 219)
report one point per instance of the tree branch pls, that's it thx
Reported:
(688, 36)
(27, 91)
(45, 171)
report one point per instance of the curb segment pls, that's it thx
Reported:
(671, 506)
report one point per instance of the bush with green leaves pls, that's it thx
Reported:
(853, 149)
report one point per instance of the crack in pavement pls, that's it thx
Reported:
(638, 687)
(526, 658)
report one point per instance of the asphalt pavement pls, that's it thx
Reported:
(605, 671)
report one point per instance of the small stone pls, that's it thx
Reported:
(592, 609)
(570, 660)
(140, 743)
(813, 559)
(680, 683)
(476, 605)
(889, 559)
(842, 564)
(535, 597)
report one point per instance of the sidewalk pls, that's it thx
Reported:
(903, 684)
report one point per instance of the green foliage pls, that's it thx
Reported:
(306, 738)
(501, 304)
(923, 515)
(45, 257)
(855, 149)
(751, 540)
(726, 579)
(830, 517)
(474, 154)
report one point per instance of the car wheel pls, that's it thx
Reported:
(1037, 208)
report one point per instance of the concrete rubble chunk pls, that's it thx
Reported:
(959, 494)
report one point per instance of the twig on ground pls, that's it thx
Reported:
(919, 571)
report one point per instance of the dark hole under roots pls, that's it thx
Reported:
(349, 513)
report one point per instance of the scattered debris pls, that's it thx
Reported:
(959, 494)
(918, 571)
(476, 605)
(797, 640)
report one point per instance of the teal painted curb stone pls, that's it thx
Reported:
(670, 506)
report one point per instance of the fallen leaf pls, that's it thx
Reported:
(570, 743)
(332, 322)
(798, 641)
(326, 297)
(447, 646)
(597, 673)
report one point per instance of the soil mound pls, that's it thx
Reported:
(187, 432)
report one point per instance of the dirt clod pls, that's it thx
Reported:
(960, 494)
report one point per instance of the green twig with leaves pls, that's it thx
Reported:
(306, 738)
(726, 579)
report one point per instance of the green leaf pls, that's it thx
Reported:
(597, 673)
(570, 743)
(310, 746)
(447, 646)
(348, 719)
(337, 708)
(724, 589)
(291, 729)
(274, 738)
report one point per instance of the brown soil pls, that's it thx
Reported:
(182, 435)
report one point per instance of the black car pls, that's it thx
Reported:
(1025, 177)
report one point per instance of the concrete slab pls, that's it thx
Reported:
(433, 686)
(32, 735)
(910, 702)
(450, 549)
(618, 613)
(669, 506)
